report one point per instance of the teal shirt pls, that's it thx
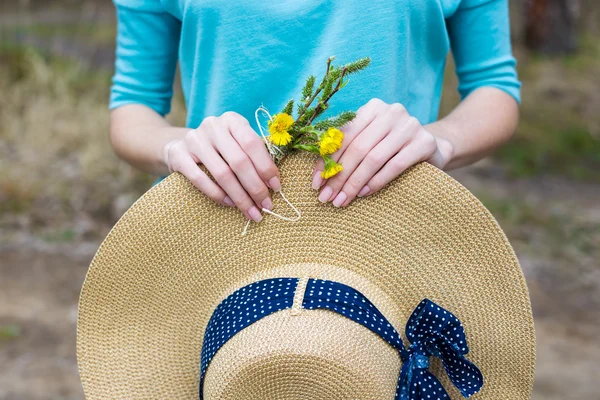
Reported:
(237, 55)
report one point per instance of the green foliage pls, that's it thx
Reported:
(566, 148)
(308, 87)
(334, 74)
(335, 122)
(357, 65)
(60, 236)
(326, 91)
(332, 82)
(559, 130)
(305, 135)
(10, 331)
(307, 147)
(289, 107)
(301, 109)
(308, 114)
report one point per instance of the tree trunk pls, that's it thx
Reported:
(551, 25)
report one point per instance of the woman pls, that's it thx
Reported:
(239, 54)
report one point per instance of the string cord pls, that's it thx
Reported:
(272, 150)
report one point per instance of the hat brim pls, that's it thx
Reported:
(175, 254)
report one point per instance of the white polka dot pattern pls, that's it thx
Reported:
(434, 331)
(242, 308)
(431, 330)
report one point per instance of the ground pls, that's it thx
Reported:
(62, 188)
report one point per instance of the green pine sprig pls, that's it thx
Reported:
(307, 130)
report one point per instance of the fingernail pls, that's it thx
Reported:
(317, 180)
(325, 194)
(364, 191)
(275, 184)
(267, 204)
(227, 200)
(255, 214)
(340, 199)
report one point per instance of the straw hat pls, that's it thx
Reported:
(176, 263)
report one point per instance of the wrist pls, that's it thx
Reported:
(446, 149)
(165, 154)
(443, 135)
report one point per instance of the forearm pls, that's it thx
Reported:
(484, 120)
(139, 135)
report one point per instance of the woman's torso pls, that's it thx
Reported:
(240, 54)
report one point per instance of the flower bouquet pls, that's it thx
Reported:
(304, 132)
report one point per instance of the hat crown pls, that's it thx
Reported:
(316, 354)
(300, 353)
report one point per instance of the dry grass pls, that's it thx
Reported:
(559, 131)
(55, 159)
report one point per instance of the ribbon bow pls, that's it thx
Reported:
(434, 331)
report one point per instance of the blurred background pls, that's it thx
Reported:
(62, 188)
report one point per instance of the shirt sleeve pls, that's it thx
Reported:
(479, 34)
(146, 55)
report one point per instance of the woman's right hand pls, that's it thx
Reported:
(235, 156)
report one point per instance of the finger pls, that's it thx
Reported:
(182, 162)
(364, 116)
(414, 152)
(372, 163)
(317, 180)
(255, 148)
(242, 166)
(225, 177)
(356, 152)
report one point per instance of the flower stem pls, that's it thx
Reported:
(319, 109)
(314, 96)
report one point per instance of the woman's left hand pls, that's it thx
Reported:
(379, 144)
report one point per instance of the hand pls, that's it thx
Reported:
(235, 156)
(379, 144)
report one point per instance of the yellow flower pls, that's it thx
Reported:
(278, 129)
(331, 141)
(331, 168)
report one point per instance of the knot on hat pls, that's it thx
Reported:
(421, 361)
(434, 331)
(431, 330)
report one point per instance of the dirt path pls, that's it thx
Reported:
(38, 310)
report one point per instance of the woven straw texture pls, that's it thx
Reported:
(175, 255)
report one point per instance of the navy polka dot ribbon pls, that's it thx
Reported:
(431, 330)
